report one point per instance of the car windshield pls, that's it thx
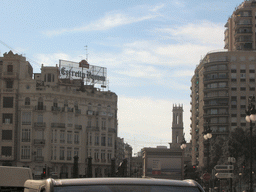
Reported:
(125, 188)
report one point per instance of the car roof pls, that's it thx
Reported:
(123, 181)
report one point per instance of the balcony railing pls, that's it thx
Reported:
(78, 126)
(90, 128)
(39, 125)
(39, 141)
(111, 130)
(56, 109)
(39, 159)
(77, 111)
(90, 112)
(58, 125)
(40, 107)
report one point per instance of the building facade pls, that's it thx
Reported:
(47, 121)
(221, 85)
(240, 27)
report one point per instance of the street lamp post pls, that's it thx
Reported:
(208, 136)
(250, 117)
(183, 147)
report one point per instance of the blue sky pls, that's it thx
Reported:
(149, 47)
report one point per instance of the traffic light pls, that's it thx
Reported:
(194, 168)
(44, 173)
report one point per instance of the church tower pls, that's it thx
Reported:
(177, 125)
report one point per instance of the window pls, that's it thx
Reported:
(76, 138)
(89, 122)
(96, 155)
(69, 137)
(7, 118)
(27, 101)
(102, 155)
(62, 136)
(55, 103)
(9, 84)
(62, 157)
(40, 104)
(252, 80)
(103, 140)
(76, 105)
(233, 80)
(39, 152)
(97, 142)
(109, 141)
(233, 70)
(26, 118)
(49, 77)
(233, 88)
(76, 152)
(6, 151)
(8, 102)
(40, 118)
(252, 88)
(103, 124)
(25, 137)
(242, 88)
(65, 103)
(242, 71)
(25, 152)
(6, 134)
(9, 68)
(69, 151)
(251, 71)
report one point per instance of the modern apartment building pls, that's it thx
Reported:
(240, 28)
(45, 121)
(221, 85)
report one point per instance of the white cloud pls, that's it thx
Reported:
(110, 20)
(204, 32)
(149, 118)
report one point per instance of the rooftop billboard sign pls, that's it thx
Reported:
(90, 74)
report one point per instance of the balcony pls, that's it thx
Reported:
(39, 141)
(77, 111)
(90, 128)
(40, 108)
(216, 97)
(216, 79)
(69, 109)
(39, 125)
(78, 127)
(39, 159)
(206, 89)
(56, 109)
(111, 130)
(101, 113)
(9, 75)
(110, 115)
(103, 160)
(58, 125)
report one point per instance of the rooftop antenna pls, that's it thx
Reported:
(86, 52)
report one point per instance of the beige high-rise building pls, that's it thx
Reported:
(221, 85)
(45, 121)
(240, 28)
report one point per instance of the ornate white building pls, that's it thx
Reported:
(45, 121)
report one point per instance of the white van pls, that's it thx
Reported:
(13, 178)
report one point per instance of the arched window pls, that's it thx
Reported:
(27, 101)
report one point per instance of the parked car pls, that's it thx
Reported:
(112, 185)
